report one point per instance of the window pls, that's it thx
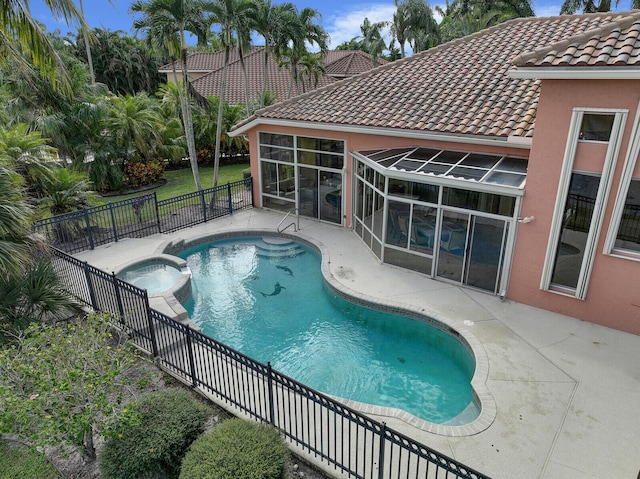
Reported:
(628, 235)
(579, 208)
(623, 236)
(596, 127)
(574, 232)
(303, 173)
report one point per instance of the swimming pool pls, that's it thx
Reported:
(269, 300)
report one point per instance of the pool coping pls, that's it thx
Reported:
(480, 391)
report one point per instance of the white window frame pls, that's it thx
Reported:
(599, 207)
(623, 189)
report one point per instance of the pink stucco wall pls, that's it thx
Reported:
(613, 294)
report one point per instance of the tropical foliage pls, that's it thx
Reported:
(62, 383)
(29, 288)
(124, 64)
(590, 6)
(165, 23)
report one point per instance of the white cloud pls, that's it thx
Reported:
(342, 26)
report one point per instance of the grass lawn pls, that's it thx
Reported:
(17, 460)
(180, 182)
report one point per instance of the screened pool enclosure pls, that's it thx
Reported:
(448, 214)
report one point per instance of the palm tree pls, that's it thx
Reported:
(269, 21)
(87, 46)
(27, 154)
(372, 41)
(302, 31)
(413, 23)
(16, 241)
(36, 295)
(589, 6)
(166, 22)
(312, 71)
(65, 190)
(134, 126)
(19, 32)
(231, 16)
(471, 22)
(125, 64)
(29, 287)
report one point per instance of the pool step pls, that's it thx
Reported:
(288, 249)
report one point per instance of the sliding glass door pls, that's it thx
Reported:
(471, 249)
(320, 194)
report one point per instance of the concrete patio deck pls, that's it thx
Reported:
(567, 392)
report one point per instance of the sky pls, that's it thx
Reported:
(341, 19)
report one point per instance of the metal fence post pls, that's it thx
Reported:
(118, 297)
(152, 331)
(113, 222)
(155, 203)
(250, 181)
(383, 428)
(92, 294)
(192, 363)
(203, 204)
(229, 196)
(86, 219)
(270, 386)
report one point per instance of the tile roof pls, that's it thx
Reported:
(338, 63)
(614, 44)
(460, 87)
(202, 61)
(342, 63)
(278, 80)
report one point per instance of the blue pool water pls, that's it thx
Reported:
(270, 302)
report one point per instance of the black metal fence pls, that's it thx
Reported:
(142, 216)
(580, 212)
(342, 437)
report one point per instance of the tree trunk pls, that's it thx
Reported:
(88, 48)
(246, 82)
(266, 69)
(188, 122)
(223, 85)
(88, 449)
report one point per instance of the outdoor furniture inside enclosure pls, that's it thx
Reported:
(142, 216)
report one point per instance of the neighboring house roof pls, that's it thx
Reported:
(201, 62)
(344, 63)
(338, 64)
(462, 87)
(278, 80)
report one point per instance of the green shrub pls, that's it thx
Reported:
(246, 173)
(141, 174)
(237, 449)
(168, 422)
(17, 460)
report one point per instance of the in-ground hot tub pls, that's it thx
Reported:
(160, 275)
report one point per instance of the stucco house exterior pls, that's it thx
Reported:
(505, 161)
